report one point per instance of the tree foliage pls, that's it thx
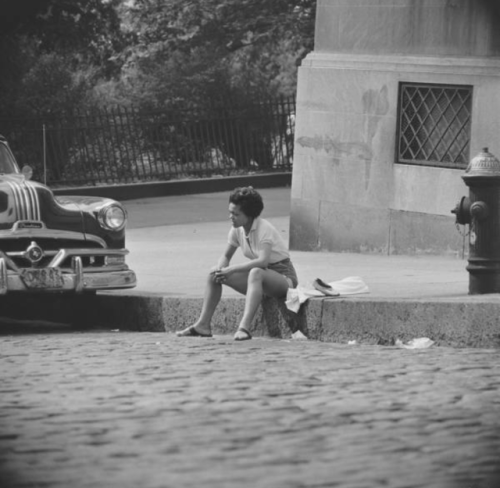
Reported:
(228, 25)
(85, 30)
(151, 53)
(54, 51)
(189, 51)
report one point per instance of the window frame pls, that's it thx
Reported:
(467, 125)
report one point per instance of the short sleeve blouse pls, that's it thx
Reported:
(262, 232)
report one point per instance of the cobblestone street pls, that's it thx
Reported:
(116, 409)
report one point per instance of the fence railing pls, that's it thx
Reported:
(125, 146)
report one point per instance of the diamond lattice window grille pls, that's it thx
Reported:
(434, 125)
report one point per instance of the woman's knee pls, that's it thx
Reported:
(211, 275)
(256, 275)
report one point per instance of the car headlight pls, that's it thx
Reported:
(112, 217)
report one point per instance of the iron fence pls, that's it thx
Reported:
(124, 145)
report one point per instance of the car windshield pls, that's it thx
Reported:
(7, 161)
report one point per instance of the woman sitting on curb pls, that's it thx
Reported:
(269, 270)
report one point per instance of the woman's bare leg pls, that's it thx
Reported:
(212, 296)
(260, 281)
(253, 284)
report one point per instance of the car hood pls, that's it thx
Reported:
(29, 201)
(90, 208)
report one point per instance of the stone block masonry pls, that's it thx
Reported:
(448, 322)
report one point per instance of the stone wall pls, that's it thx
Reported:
(348, 194)
(408, 27)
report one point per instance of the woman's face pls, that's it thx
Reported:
(237, 217)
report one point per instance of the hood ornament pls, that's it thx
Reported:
(34, 252)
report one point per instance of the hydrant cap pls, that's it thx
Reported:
(484, 164)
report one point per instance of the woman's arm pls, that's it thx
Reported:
(223, 263)
(226, 257)
(260, 262)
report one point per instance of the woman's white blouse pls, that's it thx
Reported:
(262, 232)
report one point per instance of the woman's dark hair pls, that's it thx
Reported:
(249, 201)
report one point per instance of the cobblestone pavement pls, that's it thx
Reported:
(116, 409)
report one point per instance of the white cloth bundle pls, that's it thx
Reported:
(351, 285)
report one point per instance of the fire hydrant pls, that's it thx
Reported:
(481, 210)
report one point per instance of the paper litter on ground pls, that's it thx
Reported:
(419, 343)
(299, 336)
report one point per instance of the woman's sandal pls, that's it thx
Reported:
(247, 336)
(191, 332)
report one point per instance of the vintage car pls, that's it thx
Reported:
(54, 243)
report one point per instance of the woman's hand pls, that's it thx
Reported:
(221, 274)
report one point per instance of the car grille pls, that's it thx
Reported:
(25, 199)
(14, 248)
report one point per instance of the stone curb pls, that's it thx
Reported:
(367, 321)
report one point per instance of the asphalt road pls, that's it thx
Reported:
(111, 409)
(205, 207)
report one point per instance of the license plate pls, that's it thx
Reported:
(42, 278)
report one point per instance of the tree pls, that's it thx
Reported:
(190, 50)
(154, 53)
(88, 30)
(229, 24)
(189, 55)
(84, 35)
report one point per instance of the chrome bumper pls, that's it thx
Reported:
(74, 280)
